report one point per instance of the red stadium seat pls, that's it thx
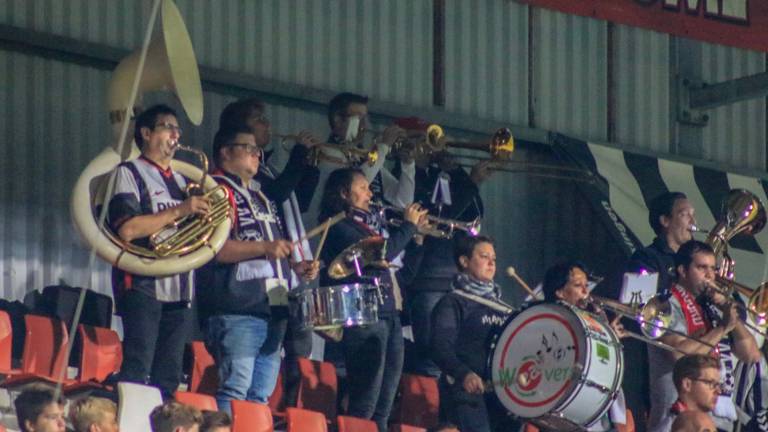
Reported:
(204, 378)
(318, 387)
(251, 417)
(354, 424)
(301, 420)
(200, 401)
(6, 345)
(419, 403)
(102, 353)
(44, 348)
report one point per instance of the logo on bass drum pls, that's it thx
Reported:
(528, 377)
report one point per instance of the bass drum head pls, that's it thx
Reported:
(537, 358)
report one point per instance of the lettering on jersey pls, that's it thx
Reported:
(494, 320)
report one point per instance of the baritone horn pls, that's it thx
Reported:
(189, 243)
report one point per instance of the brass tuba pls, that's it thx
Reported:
(742, 212)
(189, 242)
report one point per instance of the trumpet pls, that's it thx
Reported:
(349, 156)
(439, 227)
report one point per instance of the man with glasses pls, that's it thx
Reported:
(697, 380)
(704, 322)
(250, 272)
(292, 189)
(156, 312)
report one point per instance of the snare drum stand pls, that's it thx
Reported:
(355, 258)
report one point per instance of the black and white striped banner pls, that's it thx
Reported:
(632, 180)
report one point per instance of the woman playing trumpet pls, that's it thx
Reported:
(373, 354)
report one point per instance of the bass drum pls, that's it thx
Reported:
(556, 366)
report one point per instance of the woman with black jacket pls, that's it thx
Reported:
(373, 354)
(463, 323)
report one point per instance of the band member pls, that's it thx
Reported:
(697, 381)
(373, 354)
(463, 322)
(348, 118)
(250, 272)
(157, 317)
(298, 175)
(568, 282)
(710, 320)
(448, 192)
(671, 216)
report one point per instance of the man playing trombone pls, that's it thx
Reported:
(703, 321)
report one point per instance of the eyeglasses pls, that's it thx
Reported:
(712, 384)
(169, 126)
(250, 148)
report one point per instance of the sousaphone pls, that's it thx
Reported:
(169, 64)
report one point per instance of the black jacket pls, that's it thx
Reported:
(657, 257)
(462, 330)
(346, 233)
(431, 267)
(297, 176)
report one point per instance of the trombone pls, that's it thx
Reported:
(439, 227)
(756, 306)
(654, 318)
(349, 156)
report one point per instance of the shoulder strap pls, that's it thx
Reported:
(144, 200)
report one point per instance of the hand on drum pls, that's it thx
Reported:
(307, 270)
(618, 327)
(416, 215)
(473, 384)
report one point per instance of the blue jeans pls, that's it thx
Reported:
(248, 357)
(374, 360)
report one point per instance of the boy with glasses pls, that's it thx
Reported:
(697, 380)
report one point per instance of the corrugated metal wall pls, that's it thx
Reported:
(570, 74)
(736, 133)
(381, 48)
(641, 61)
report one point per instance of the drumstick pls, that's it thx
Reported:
(513, 274)
(322, 240)
(333, 220)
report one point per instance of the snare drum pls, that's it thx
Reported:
(336, 306)
(557, 366)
